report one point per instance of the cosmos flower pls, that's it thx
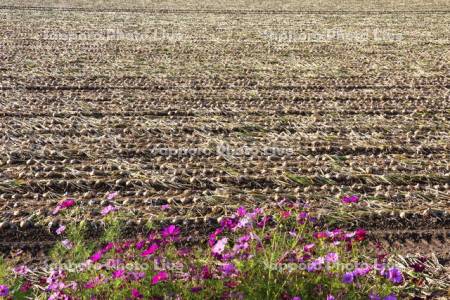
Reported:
(135, 294)
(350, 199)
(320, 235)
(359, 272)
(96, 256)
(332, 257)
(139, 245)
(360, 234)
(60, 230)
(316, 265)
(286, 214)
(213, 236)
(170, 231)
(112, 195)
(348, 277)
(108, 209)
(63, 205)
(150, 250)
(308, 247)
(219, 246)
(161, 276)
(4, 291)
(264, 221)
(67, 244)
(118, 273)
(228, 269)
(395, 275)
(241, 211)
(21, 270)
(94, 282)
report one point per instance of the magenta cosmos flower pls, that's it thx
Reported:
(150, 250)
(170, 231)
(63, 205)
(118, 273)
(96, 256)
(350, 199)
(241, 211)
(135, 294)
(161, 276)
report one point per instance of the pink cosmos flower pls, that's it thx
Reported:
(332, 257)
(21, 270)
(150, 250)
(94, 282)
(219, 246)
(67, 244)
(264, 221)
(359, 272)
(286, 214)
(108, 247)
(106, 210)
(60, 230)
(350, 199)
(135, 294)
(161, 276)
(308, 247)
(63, 205)
(112, 195)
